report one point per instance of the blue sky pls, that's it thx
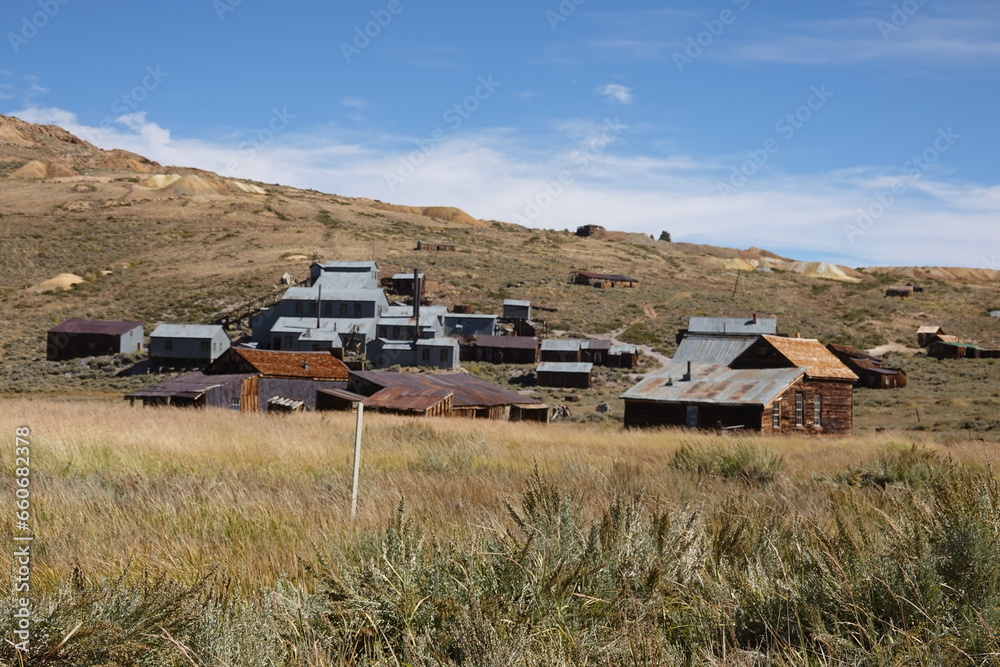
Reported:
(860, 132)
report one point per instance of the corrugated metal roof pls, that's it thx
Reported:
(437, 342)
(516, 302)
(405, 399)
(564, 367)
(275, 363)
(107, 327)
(186, 331)
(623, 349)
(404, 276)
(733, 325)
(468, 390)
(561, 345)
(509, 342)
(810, 354)
(598, 344)
(711, 349)
(348, 264)
(343, 394)
(333, 282)
(190, 385)
(330, 294)
(470, 316)
(715, 384)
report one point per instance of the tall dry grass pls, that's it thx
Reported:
(229, 535)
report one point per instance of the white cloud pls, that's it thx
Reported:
(355, 103)
(616, 92)
(500, 174)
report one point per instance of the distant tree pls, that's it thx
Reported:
(665, 236)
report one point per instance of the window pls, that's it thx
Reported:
(288, 342)
(234, 404)
(357, 310)
(205, 346)
(343, 310)
(312, 308)
(691, 415)
(799, 417)
(776, 416)
(444, 354)
(327, 309)
(168, 345)
(298, 307)
(817, 410)
(427, 354)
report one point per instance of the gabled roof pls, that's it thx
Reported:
(945, 338)
(715, 384)
(712, 349)
(809, 353)
(81, 326)
(930, 329)
(186, 331)
(733, 325)
(272, 363)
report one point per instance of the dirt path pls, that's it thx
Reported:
(661, 359)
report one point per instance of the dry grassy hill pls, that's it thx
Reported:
(175, 244)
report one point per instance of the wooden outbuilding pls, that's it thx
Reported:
(901, 292)
(77, 338)
(562, 374)
(440, 247)
(187, 343)
(231, 391)
(502, 350)
(603, 280)
(928, 333)
(872, 371)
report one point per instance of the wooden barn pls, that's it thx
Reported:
(872, 371)
(232, 391)
(502, 350)
(776, 385)
(564, 374)
(77, 338)
(945, 348)
(603, 280)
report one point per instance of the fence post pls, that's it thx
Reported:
(357, 461)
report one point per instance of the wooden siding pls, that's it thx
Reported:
(564, 380)
(298, 389)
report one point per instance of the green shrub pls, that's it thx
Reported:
(746, 461)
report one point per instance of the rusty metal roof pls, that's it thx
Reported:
(733, 325)
(715, 384)
(810, 354)
(712, 349)
(273, 363)
(510, 342)
(405, 399)
(343, 394)
(190, 385)
(468, 390)
(82, 326)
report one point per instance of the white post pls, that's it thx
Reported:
(357, 461)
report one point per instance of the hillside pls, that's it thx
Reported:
(157, 243)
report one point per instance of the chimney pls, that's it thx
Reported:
(755, 318)
(416, 304)
(687, 376)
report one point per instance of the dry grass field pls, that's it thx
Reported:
(169, 534)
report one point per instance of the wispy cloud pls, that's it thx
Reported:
(615, 92)
(492, 173)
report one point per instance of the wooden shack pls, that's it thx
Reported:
(872, 371)
(603, 280)
(232, 391)
(502, 350)
(77, 338)
(439, 247)
(564, 374)
(927, 333)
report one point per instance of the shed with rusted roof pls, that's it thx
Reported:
(233, 391)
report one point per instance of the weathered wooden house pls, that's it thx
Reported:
(927, 334)
(561, 350)
(576, 375)
(236, 391)
(943, 347)
(77, 337)
(603, 280)
(623, 356)
(502, 350)
(187, 343)
(454, 395)
(775, 385)
(872, 371)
